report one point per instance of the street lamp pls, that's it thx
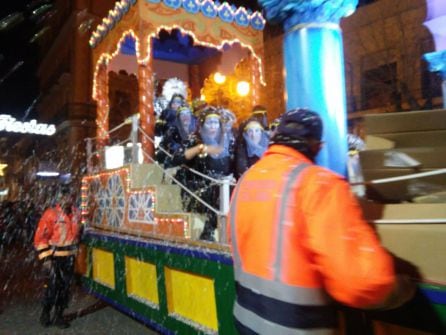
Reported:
(243, 88)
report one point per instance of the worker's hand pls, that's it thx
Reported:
(404, 291)
(408, 287)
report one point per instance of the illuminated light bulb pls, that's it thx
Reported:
(2, 168)
(243, 88)
(219, 78)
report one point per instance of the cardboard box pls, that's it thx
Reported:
(423, 245)
(376, 143)
(435, 138)
(416, 121)
(404, 213)
(429, 157)
(399, 144)
(414, 232)
(402, 190)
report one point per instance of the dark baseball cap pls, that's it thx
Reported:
(300, 123)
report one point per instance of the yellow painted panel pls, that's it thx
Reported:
(103, 267)
(192, 297)
(141, 280)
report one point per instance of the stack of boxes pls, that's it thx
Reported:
(401, 144)
(404, 168)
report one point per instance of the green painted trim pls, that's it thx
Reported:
(433, 286)
(437, 295)
(121, 285)
(222, 274)
(436, 287)
(225, 296)
(441, 311)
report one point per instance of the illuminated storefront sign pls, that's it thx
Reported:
(10, 124)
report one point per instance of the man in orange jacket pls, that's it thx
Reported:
(299, 239)
(56, 241)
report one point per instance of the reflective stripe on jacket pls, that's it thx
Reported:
(57, 233)
(296, 233)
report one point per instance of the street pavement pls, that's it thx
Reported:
(21, 285)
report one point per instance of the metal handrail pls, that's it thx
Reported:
(182, 186)
(216, 181)
(399, 178)
(132, 138)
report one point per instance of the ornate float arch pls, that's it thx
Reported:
(209, 24)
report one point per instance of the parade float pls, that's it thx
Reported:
(142, 252)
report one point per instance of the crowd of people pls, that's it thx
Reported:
(212, 141)
(306, 212)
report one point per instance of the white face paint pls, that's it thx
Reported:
(176, 103)
(254, 131)
(212, 126)
(228, 125)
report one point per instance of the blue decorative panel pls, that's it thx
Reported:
(173, 3)
(225, 13)
(128, 47)
(114, 199)
(303, 11)
(208, 9)
(241, 17)
(257, 21)
(126, 7)
(141, 207)
(191, 6)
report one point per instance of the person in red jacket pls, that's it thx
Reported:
(56, 241)
(299, 240)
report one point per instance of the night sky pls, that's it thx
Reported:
(18, 61)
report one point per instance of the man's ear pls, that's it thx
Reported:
(315, 145)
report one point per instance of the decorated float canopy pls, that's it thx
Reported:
(200, 27)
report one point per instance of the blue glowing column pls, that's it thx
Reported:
(437, 63)
(436, 22)
(314, 68)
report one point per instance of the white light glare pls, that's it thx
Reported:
(243, 88)
(219, 78)
(47, 173)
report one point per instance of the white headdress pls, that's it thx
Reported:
(172, 86)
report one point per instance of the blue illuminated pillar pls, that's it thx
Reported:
(436, 23)
(314, 67)
(437, 63)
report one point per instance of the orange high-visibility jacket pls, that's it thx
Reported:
(297, 233)
(57, 233)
